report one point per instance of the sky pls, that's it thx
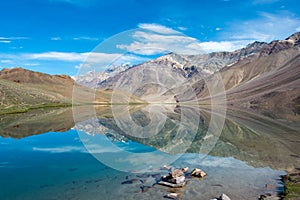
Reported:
(75, 36)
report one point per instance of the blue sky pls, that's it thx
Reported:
(57, 36)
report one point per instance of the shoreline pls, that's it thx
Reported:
(17, 110)
(291, 185)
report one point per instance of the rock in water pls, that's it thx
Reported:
(130, 181)
(172, 195)
(165, 167)
(175, 178)
(224, 197)
(185, 169)
(172, 185)
(177, 173)
(180, 179)
(198, 173)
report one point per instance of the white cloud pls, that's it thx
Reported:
(55, 38)
(158, 28)
(266, 28)
(31, 64)
(298, 29)
(77, 38)
(63, 56)
(92, 57)
(5, 41)
(86, 38)
(82, 61)
(83, 65)
(95, 57)
(224, 45)
(182, 28)
(14, 38)
(19, 47)
(151, 43)
(102, 60)
(6, 61)
(10, 39)
(218, 29)
(264, 1)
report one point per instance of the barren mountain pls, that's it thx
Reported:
(93, 78)
(58, 85)
(21, 90)
(269, 79)
(184, 67)
(260, 74)
(207, 64)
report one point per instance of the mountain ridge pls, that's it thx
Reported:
(22, 90)
(170, 78)
(243, 66)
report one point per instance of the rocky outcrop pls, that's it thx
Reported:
(279, 45)
(93, 78)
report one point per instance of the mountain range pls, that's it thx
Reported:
(261, 75)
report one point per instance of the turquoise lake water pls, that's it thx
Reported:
(75, 164)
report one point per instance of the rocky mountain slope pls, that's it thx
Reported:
(259, 74)
(93, 78)
(207, 64)
(189, 66)
(268, 79)
(22, 89)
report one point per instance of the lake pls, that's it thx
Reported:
(118, 152)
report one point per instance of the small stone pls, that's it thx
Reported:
(177, 173)
(130, 181)
(172, 195)
(198, 173)
(269, 186)
(185, 169)
(180, 179)
(166, 167)
(224, 197)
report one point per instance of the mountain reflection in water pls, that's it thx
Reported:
(248, 150)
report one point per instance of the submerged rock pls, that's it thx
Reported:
(177, 173)
(175, 178)
(165, 167)
(222, 197)
(180, 179)
(198, 173)
(130, 181)
(172, 195)
(172, 185)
